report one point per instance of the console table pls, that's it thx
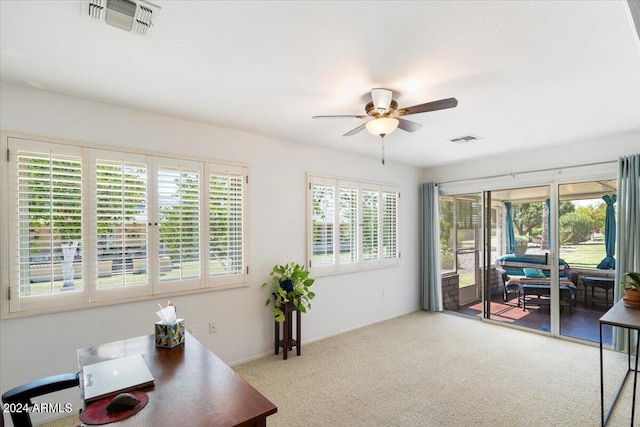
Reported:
(627, 318)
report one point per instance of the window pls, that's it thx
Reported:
(348, 216)
(389, 225)
(49, 220)
(353, 225)
(91, 225)
(370, 220)
(585, 240)
(179, 195)
(121, 221)
(447, 235)
(460, 221)
(322, 213)
(226, 224)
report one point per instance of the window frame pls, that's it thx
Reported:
(337, 265)
(15, 305)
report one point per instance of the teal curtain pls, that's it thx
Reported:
(431, 277)
(628, 245)
(511, 238)
(609, 262)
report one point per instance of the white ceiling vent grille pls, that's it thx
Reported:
(135, 16)
(465, 139)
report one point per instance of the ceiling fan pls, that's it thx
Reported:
(386, 116)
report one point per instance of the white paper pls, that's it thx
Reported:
(167, 315)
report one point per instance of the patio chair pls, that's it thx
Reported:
(503, 278)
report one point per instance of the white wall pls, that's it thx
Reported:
(587, 152)
(37, 346)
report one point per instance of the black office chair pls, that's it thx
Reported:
(22, 395)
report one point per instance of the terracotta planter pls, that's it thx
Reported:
(632, 296)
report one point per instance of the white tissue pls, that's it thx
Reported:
(167, 315)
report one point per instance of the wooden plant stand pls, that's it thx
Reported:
(287, 343)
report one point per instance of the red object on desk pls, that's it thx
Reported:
(96, 413)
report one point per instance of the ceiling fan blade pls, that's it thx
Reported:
(408, 125)
(381, 98)
(343, 116)
(356, 130)
(429, 106)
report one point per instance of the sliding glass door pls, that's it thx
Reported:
(586, 236)
(539, 256)
(518, 272)
(460, 242)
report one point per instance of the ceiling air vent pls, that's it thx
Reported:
(135, 16)
(465, 139)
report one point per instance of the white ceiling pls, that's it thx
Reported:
(525, 74)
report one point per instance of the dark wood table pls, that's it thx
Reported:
(192, 387)
(627, 318)
(542, 287)
(593, 282)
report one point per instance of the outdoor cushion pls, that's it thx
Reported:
(514, 264)
(533, 272)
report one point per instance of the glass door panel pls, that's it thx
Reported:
(518, 288)
(587, 247)
(460, 243)
(468, 242)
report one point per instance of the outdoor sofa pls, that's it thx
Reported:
(529, 275)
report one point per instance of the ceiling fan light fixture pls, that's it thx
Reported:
(382, 126)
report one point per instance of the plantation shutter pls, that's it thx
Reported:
(353, 225)
(121, 219)
(370, 222)
(389, 225)
(45, 236)
(322, 219)
(49, 200)
(226, 224)
(87, 225)
(348, 222)
(178, 195)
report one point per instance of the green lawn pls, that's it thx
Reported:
(190, 269)
(467, 278)
(586, 254)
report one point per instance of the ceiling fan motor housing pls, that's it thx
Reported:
(372, 111)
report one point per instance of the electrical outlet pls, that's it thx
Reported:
(193, 330)
(212, 328)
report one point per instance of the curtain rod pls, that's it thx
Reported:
(513, 174)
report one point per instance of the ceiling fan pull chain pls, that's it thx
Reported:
(382, 149)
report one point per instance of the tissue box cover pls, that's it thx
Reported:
(170, 335)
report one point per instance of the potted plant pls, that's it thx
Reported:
(632, 288)
(291, 283)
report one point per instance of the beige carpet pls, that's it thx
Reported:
(432, 369)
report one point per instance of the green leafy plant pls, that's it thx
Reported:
(575, 228)
(290, 283)
(522, 242)
(633, 283)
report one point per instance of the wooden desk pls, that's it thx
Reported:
(627, 318)
(192, 387)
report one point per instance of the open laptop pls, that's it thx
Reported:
(115, 376)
